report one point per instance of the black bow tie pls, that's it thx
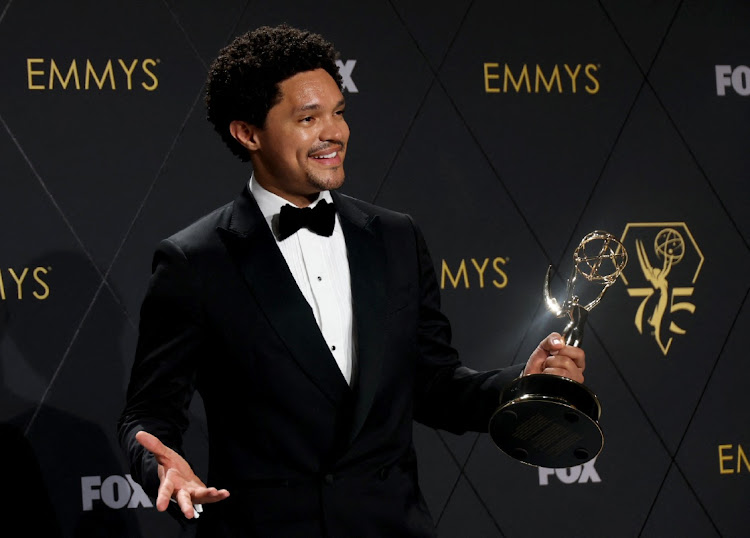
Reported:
(319, 219)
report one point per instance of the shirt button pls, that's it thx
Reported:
(333, 348)
(320, 278)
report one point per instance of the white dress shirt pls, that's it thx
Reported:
(320, 267)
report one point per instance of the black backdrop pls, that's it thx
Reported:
(507, 129)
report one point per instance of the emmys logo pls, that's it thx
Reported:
(14, 282)
(738, 79)
(669, 262)
(561, 78)
(579, 474)
(459, 277)
(728, 454)
(44, 74)
(345, 70)
(115, 492)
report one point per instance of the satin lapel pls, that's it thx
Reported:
(366, 254)
(252, 245)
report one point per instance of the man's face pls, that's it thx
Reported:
(300, 150)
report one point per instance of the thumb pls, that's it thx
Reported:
(552, 343)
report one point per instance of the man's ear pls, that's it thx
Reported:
(245, 133)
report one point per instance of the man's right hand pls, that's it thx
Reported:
(177, 480)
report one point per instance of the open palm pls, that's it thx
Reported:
(177, 480)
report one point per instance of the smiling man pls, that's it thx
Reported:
(299, 150)
(308, 321)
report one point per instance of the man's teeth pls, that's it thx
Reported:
(329, 156)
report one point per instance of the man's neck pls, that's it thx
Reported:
(297, 199)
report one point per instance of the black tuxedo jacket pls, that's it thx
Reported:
(302, 453)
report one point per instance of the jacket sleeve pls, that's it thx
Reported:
(448, 395)
(162, 383)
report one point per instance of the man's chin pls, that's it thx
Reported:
(327, 184)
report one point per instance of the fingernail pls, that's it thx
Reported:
(556, 341)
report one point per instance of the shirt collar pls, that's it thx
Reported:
(270, 204)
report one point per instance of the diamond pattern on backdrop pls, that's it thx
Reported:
(677, 497)
(642, 26)
(46, 280)
(559, 96)
(482, 250)
(521, 174)
(718, 434)
(81, 140)
(432, 25)
(207, 30)
(714, 128)
(628, 437)
(663, 169)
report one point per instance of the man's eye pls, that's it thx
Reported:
(340, 113)
(308, 119)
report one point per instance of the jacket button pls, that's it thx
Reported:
(328, 479)
(383, 473)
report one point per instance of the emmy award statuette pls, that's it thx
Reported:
(551, 421)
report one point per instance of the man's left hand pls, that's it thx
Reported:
(553, 356)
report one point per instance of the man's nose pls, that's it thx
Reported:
(335, 128)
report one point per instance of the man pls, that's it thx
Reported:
(313, 349)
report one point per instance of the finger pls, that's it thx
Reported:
(576, 354)
(535, 365)
(560, 372)
(210, 495)
(564, 368)
(560, 361)
(575, 376)
(166, 488)
(564, 363)
(185, 502)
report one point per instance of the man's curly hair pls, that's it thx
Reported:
(243, 81)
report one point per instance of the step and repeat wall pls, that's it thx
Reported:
(508, 130)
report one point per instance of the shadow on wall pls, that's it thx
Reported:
(48, 448)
